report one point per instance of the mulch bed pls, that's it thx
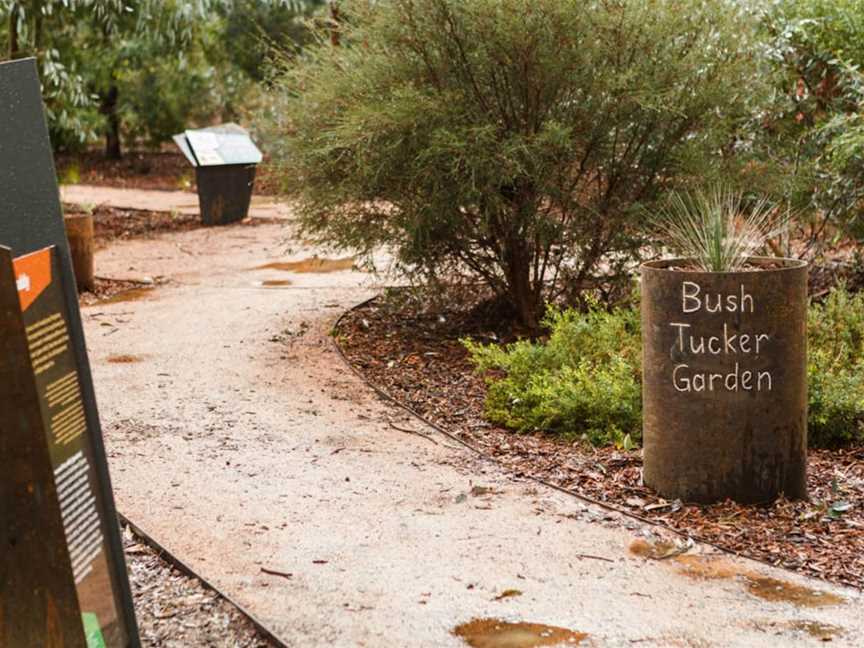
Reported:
(164, 170)
(175, 610)
(414, 354)
(111, 224)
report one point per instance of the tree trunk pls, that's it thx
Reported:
(334, 22)
(523, 295)
(14, 43)
(79, 233)
(37, 27)
(113, 149)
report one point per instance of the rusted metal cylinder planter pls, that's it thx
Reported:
(725, 381)
(79, 233)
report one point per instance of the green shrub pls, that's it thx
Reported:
(812, 136)
(505, 140)
(836, 369)
(585, 380)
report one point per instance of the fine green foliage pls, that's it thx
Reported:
(140, 71)
(836, 369)
(507, 141)
(715, 229)
(582, 383)
(812, 135)
(585, 380)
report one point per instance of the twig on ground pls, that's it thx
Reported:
(415, 432)
(593, 557)
(274, 572)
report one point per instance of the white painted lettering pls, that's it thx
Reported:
(690, 296)
(682, 384)
(728, 342)
(733, 386)
(681, 328)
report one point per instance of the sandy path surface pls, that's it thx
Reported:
(239, 440)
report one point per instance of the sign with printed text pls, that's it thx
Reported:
(56, 378)
(63, 579)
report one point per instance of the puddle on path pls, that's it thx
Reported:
(495, 633)
(817, 629)
(274, 283)
(124, 359)
(315, 265)
(135, 294)
(780, 591)
(767, 588)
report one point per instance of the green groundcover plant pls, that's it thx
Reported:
(584, 380)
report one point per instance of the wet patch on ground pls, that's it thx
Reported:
(495, 633)
(314, 265)
(124, 359)
(817, 629)
(133, 295)
(800, 627)
(770, 589)
(781, 591)
(274, 283)
(657, 550)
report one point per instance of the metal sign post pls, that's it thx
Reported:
(63, 574)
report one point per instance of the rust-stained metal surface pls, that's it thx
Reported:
(38, 603)
(224, 192)
(725, 381)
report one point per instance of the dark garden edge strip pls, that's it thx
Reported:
(185, 569)
(686, 535)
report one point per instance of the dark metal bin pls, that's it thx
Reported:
(225, 160)
(224, 192)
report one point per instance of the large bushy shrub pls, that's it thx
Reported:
(508, 140)
(585, 380)
(813, 134)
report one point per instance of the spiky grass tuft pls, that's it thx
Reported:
(717, 229)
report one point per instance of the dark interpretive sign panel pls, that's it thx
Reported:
(218, 145)
(63, 575)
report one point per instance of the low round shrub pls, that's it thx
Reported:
(584, 380)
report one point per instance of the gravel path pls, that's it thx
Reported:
(240, 442)
(180, 202)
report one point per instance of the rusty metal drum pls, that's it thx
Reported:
(725, 381)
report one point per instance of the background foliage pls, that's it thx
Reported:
(142, 70)
(811, 137)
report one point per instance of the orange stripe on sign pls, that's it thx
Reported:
(32, 275)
